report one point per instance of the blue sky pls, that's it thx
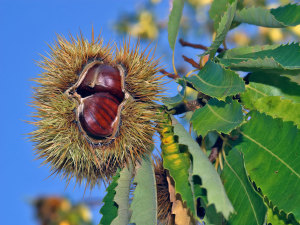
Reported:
(26, 29)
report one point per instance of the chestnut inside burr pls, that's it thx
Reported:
(101, 78)
(101, 90)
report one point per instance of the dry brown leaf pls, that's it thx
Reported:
(180, 212)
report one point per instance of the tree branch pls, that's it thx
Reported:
(170, 75)
(197, 46)
(192, 62)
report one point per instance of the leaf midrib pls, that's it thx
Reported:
(271, 153)
(244, 189)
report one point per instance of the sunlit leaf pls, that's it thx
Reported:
(282, 100)
(217, 115)
(174, 22)
(266, 84)
(218, 8)
(203, 168)
(273, 106)
(177, 161)
(274, 218)
(271, 149)
(223, 28)
(215, 81)
(284, 59)
(288, 15)
(122, 197)
(249, 206)
(144, 203)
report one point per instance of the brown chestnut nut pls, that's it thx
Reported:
(101, 78)
(98, 115)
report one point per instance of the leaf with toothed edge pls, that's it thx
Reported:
(283, 59)
(203, 168)
(122, 197)
(217, 115)
(223, 28)
(288, 15)
(216, 81)
(144, 203)
(109, 209)
(273, 95)
(271, 149)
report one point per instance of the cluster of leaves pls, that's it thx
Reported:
(250, 124)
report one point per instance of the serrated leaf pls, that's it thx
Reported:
(284, 59)
(109, 210)
(177, 161)
(217, 115)
(288, 15)
(178, 210)
(174, 22)
(122, 197)
(215, 81)
(271, 149)
(274, 218)
(217, 10)
(223, 28)
(144, 203)
(282, 101)
(265, 84)
(295, 79)
(249, 206)
(274, 106)
(204, 169)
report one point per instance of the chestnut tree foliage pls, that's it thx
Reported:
(243, 167)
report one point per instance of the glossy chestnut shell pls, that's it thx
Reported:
(101, 93)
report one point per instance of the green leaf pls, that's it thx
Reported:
(174, 22)
(144, 203)
(217, 115)
(223, 28)
(275, 106)
(109, 209)
(275, 218)
(249, 206)
(288, 15)
(179, 98)
(122, 197)
(204, 169)
(215, 81)
(177, 161)
(185, 94)
(218, 8)
(271, 149)
(282, 101)
(295, 79)
(284, 59)
(265, 84)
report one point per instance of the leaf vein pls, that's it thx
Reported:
(271, 153)
(244, 189)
